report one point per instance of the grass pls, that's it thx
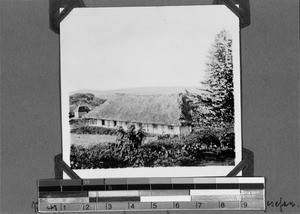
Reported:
(87, 140)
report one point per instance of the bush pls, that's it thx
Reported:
(205, 137)
(93, 130)
(209, 138)
(164, 136)
(76, 122)
(228, 140)
(153, 154)
(198, 148)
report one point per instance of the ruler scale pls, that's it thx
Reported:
(95, 195)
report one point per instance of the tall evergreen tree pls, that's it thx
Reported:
(214, 105)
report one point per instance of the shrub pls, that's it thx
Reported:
(228, 140)
(209, 138)
(93, 130)
(132, 136)
(164, 136)
(198, 148)
(152, 154)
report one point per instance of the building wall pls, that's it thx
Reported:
(107, 123)
(76, 114)
(177, 130)
(149, 128)
(162, 129)
(79, 114)
(92, 122)
(184, 130)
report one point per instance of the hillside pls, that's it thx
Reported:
(138, 91)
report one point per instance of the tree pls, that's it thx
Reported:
(85, 99)
(214, 106)
(79, 98)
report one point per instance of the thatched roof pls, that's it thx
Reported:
(82, 109)
(154, 109)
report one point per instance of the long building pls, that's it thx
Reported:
(156, 114)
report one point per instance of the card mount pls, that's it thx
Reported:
(56, 15)
(246, 166)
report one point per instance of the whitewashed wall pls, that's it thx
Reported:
(149, 128)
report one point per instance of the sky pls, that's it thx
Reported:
(128, 47)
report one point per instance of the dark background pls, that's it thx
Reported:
(30, 98)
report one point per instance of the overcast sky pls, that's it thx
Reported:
(113, 48)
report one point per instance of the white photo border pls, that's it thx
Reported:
(201, 171)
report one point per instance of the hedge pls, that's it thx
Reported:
(198, 148)
(153, 154)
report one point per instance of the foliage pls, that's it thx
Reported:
(193, 150)
(81, 97)
(85, 98)
(228, 140)
(163, 136)
(214, 106)
(132, 136)
(155, 154)
(78, 122)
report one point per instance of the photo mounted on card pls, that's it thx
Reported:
(151, 91)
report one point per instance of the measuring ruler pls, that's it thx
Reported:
(130, 194)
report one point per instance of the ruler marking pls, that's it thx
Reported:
(148, 194)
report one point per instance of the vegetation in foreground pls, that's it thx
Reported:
(198, 149)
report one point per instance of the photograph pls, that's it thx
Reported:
(151, 91)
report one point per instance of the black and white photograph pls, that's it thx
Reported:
(130, 106)
(151, 91)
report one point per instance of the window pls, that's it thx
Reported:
(154, 126)
(115, 123)
(171, 127)
(103, 122)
